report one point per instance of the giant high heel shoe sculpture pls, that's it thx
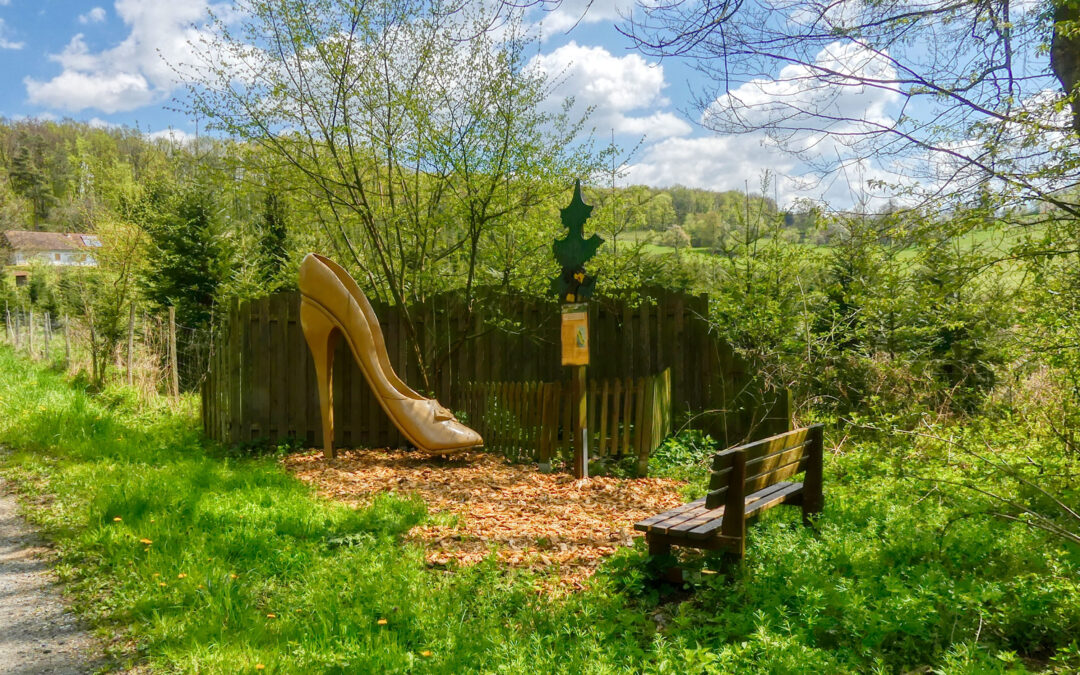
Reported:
(333, 306)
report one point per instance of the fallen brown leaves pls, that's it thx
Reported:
(549, 522)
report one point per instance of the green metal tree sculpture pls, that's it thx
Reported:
(573, 251)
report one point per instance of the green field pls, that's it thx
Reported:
(190, 559)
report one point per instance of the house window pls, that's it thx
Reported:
(21, 278)
(56, 257)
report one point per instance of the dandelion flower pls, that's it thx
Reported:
(181, 576)
(145, 542)
(271, 616)
(117, 519)
(233, 576)
(381, 622)
(426, 652)
(162, 584)
(259, 666)
(155, 575)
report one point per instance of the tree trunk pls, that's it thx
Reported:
(1065, 52)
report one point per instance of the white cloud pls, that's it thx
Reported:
(783, 125)
(174, 136)
(6, 43)
(737, 162)
(569, 13)
(96, 15)
(107, 92)
(136, 72)
(825, 96)
(614, 86)
(786, 123)
(712, 162)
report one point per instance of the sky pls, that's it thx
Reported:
(107, 63)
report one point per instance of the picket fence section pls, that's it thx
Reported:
(533, 420)
(261, 381)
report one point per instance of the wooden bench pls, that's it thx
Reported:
(745, 481)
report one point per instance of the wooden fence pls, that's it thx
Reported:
(261, 380)
(533, 419)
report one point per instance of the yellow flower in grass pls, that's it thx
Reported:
(271, 616)
(181, 576)
(426, 652)
(259, 666)
(117, 519)
(162, 584)
(381, 622)
(145, 542)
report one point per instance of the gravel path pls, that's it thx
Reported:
(37, 633)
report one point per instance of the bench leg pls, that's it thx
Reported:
(660, 547)
(811, 507)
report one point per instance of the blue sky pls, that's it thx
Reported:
(106, 63)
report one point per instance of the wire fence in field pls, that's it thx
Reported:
(153, 349)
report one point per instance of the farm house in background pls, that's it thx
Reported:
(22, 247)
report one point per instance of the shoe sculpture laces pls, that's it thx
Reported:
(332, 307)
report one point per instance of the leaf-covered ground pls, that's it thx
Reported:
(482, 505)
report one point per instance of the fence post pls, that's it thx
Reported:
(172, 353)
(131, 344)
(46, 326)
(30, 333)
(67, 342)
(17, 329)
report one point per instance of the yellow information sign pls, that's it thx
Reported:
(575, 335)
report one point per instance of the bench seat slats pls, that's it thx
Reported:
(652, 520)
(679, 516)
(764, 500)
(675, 515)
(701, 523)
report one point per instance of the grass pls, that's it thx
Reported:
(245, 566)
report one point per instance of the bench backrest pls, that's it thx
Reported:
(741, 470)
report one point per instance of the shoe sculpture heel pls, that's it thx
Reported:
(322, 336)
(334, 305)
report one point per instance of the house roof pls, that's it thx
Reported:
(28, 240)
